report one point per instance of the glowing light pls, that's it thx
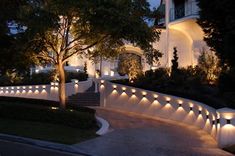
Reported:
(52, 83)
(77, 70)
(7, 88)
(30, 91)
(7, 92)
(144, 94)
(44, 87)
(102, 81)
(114, 87)
(112, 73)
(123, 89)
(168, 99)
(30, 87)
(24, 87)
(17, 92)
(155, 97)
(54, 108)
(1, 87)
(18, 87)
(36, 87)
(12, 92)
(76, 81)
(191, 104)
(36, 91)
(12, 87)
(56, 83)
(180, 102)
(37, 71)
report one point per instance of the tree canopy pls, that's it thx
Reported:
(59, 29)
(218, 23)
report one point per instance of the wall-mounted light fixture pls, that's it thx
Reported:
(200, 112)
(180, 105)
(213, 122)
(191, 108)
(218, 121)
(123, 89)
(228, 121)
(144, 94)
(114, 87)
(207, 116)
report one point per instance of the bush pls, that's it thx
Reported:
(41, 113)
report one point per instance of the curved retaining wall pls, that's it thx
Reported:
(46, 92)
(218, 123)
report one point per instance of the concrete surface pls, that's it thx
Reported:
(135, 135)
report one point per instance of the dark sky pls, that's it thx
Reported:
(154, 3)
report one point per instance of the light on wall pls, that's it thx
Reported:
(102, 82)
(155, 97)
(114, 87)
(213, 122)
(228, 121)
(200, 112)
(123, 89)
(144, 94)
(133, 91)
(191, 108)
(218, 121)
(207, 116)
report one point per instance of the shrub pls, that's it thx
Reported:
(83, 119)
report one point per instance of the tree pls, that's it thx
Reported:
(217, 21)
(13, 60)
(175, 64)
(208, 63)
(130, 64)
(60, 29)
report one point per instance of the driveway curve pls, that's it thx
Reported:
(136, 135)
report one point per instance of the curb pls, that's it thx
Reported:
(103, 124)
(43, 144)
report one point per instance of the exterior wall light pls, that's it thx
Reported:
(207, 116)
(12, 87)
(123, 90)
(191, 108)
(24, 87)
(213, 122)
(180, 105)
(199, 112)
(218, 121)
(168, 101)
(76, 81)
(114, 87)
(228, 121)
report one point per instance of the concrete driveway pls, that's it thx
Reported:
(135, 135)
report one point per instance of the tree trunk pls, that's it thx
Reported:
(62, 94)
(101, 62)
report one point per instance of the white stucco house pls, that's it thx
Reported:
(179, 29)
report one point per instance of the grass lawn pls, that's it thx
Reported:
(37, 120)
(45, 131)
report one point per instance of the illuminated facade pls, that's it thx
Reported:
(178, 29)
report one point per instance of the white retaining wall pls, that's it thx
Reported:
(218, 123)
(46, 92)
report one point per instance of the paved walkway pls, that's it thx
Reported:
(134, 135)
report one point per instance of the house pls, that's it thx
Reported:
(179, 29)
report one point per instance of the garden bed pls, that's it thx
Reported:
(40, 119)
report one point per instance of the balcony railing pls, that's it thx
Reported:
(184, 10)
